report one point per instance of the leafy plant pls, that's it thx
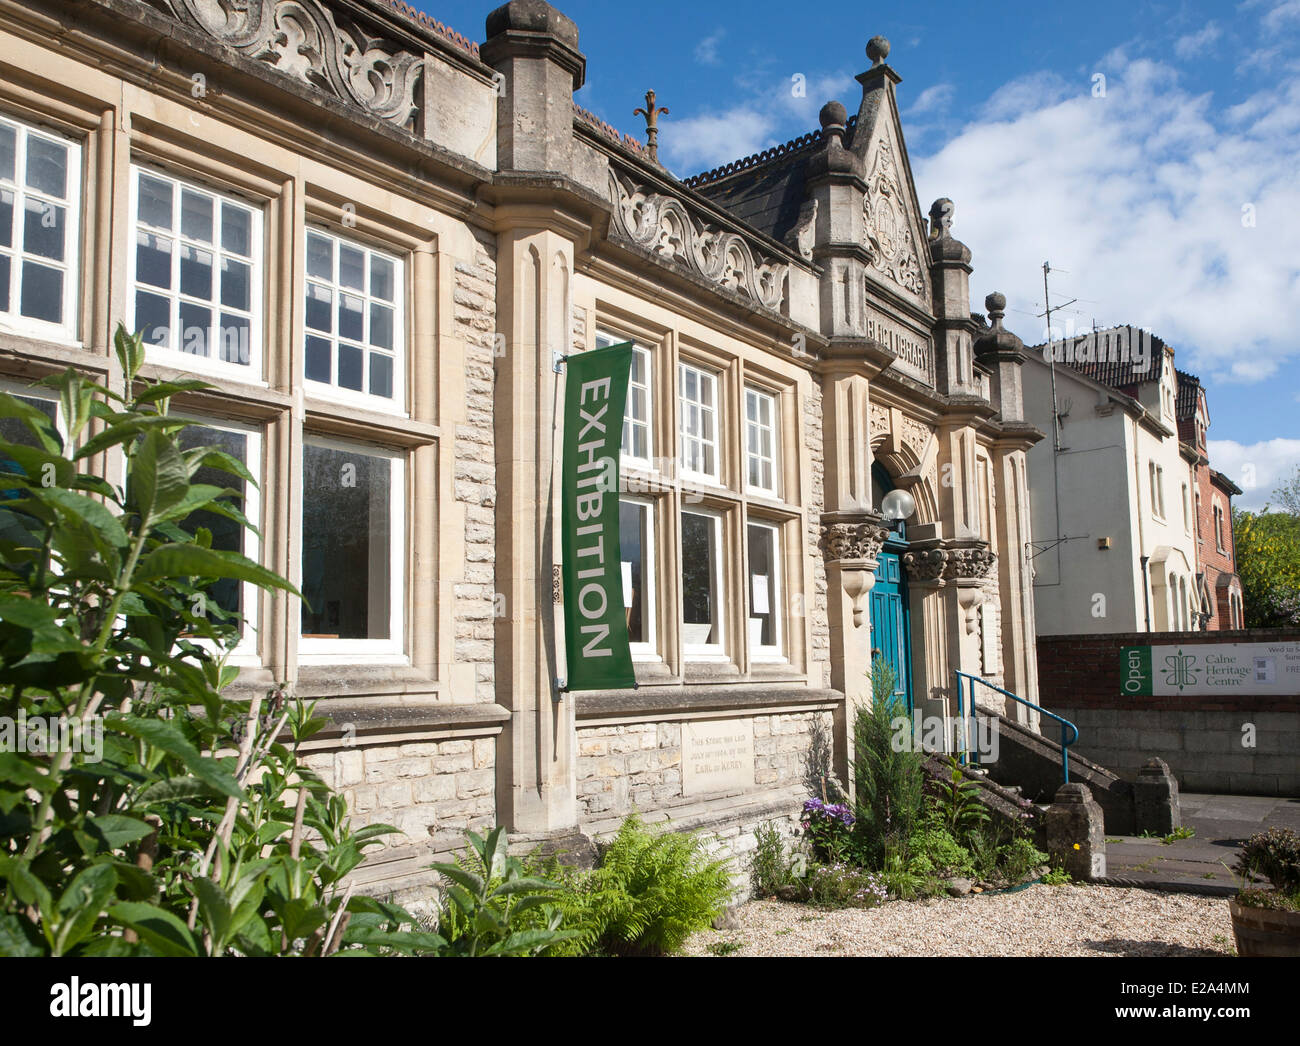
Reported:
(957, 804)
(888, 782)
(653, 890)
(1057, 877)
(189, 827)
(828, 828)
(934, 852)
(721, 948)
(487, 891)
(1270, 899)
(1018, 858)
(819, 766)
(1274, 854)
(769, 867)
(843, 886)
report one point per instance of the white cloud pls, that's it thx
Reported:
(1257, 468)
(1139, 195)
(1193, 45)
(932, 99)
(1286, 11)
(706, 51)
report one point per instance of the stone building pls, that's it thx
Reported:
(1133, 527)
(374, 238)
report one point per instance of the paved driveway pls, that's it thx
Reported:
(1203, 863)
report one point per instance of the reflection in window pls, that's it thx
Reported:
(701, 608)
(636, 549)
(698, 392)
(764, 589)
(760, 440)
(227, 534)
(347, 546)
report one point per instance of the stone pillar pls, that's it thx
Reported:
(950, 275)
(1156, 806)
(1076, 837)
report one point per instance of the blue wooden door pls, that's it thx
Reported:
(889, 624)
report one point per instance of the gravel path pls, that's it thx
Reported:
(1042, 920)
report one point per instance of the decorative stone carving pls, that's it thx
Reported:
(666, 227)
(925, 564)
(879, 419)
(557, 583)
(801, 236)
(860, 541)
(974, 561)
(308, 42)
(916, 434)
(886, 224)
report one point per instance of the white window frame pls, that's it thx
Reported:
(771, 652)
(13, 320)
(647, 651)
(366, 651)
(773, 429)
(709, 651)
(246, 651)
(702, 374)
(396, 404)
(253, 372)
(606, 338)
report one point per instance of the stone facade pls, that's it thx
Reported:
(518, 228)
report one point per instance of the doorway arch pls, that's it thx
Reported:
(890, 609)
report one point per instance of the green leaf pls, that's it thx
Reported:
(37, 421)
(115, 831)
(461, 876)
(82, 903)
(169, 739)
(166, 389)
(174, 789)
(93, 513)
(179, 561)
(130, 351)
(27, 888)
(159, 927)
(214, 907)
(158, 474)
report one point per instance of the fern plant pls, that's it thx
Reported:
(653, 890)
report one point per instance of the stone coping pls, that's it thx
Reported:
(685, 701)
(375, 720)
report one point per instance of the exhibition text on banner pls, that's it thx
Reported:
(595, 626)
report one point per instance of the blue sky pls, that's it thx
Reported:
(1171, 201)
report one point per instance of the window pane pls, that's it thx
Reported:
(632, 522)
(346, 541)
(155, 202)
(5, 275)
(47, 166)
(698, 565)
(320, 311)
(196, 272)
(44, 229)
(318, 367)
(196, 323)
(352, 364)
(12, 430)
(351, 321)
(762, 587)
(42, 293)
(227, 535)
(8, 152)
(381, 326)
(196, 215)
(6, 218)
(235, 284)
(381, 278)
(234, 339)
(236, 229)
(153, 260)
(381, 375)
(153, 318)
(320, 257)
(352, 268)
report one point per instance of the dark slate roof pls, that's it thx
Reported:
(1188, 385)
(765, 190)
(1117, 373)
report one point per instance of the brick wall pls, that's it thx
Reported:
(1237, 744)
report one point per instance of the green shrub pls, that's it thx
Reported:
(957, 806)
(934, 852)
(653, 890)
(1018, 858)
(889, 783)
(192, 828)
(843, 886)
(1274, 854)
(1270, 899)
(769, 867)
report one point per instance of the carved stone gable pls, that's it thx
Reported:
(890, 224)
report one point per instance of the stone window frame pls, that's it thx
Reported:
(717, 377)
(1219, 525)
(254, 373)
(66, 331)
(395, 650)
(402, 334)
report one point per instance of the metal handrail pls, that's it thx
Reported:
(961, 713)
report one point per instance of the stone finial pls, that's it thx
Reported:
(651, 114)
(877, 50)
(833, 117)
(996, 303)
(997, 339)
(941, 218)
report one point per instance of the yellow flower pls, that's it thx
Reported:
(1076, 846)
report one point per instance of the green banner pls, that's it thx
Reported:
(595, 625)
(1135, 671)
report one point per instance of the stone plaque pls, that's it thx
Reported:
(717, 756)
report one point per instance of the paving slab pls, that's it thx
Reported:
(1203, 863)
